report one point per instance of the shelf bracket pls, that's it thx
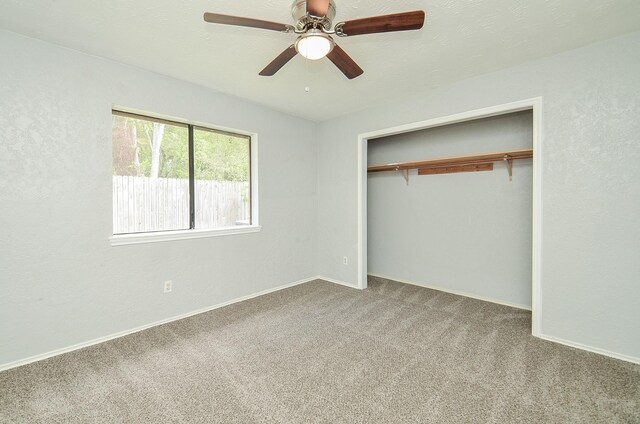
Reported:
(405, 174)
(509, 162)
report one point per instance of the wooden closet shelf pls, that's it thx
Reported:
(507, 155)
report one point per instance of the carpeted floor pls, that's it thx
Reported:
(320, 352)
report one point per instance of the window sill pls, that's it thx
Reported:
(155, 237)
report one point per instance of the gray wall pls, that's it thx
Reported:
(466, 232)
(590, 232)
(61, 281)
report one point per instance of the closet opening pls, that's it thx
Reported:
(453, 204)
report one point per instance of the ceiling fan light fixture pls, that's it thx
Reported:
(314, 45)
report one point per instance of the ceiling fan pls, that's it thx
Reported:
(313, 20)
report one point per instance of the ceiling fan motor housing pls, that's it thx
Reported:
(306, 21)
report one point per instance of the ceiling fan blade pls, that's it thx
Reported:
(216, 18)
(385, 23)
(342, 60)
(279, 61)
(317, 8)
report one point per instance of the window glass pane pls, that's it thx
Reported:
(222, 192)
(150, 175)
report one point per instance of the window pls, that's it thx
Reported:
(172, 176)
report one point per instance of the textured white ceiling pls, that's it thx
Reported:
(460, 39)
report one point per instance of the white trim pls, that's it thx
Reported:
(536, 224)
(342, 283)
(143, 113)
(362, 213)
(138, 238)
(455, 118)
(253, 175)
(620, 356)
(36, 358)
(119, 334)
(534, 104)
(456, 292)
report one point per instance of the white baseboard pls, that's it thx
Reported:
(77, 346)
(342, 283)
(597, 350)
(456, 292)
(98, 340)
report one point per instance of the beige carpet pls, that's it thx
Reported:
(320, 352)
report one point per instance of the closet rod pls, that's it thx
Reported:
(455, 160)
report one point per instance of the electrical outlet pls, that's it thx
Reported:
(168, 286)
(345, 260)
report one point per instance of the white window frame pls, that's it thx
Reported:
(170, 235)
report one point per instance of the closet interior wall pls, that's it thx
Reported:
(468, 232)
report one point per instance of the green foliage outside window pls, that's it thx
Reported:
(218, 156)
